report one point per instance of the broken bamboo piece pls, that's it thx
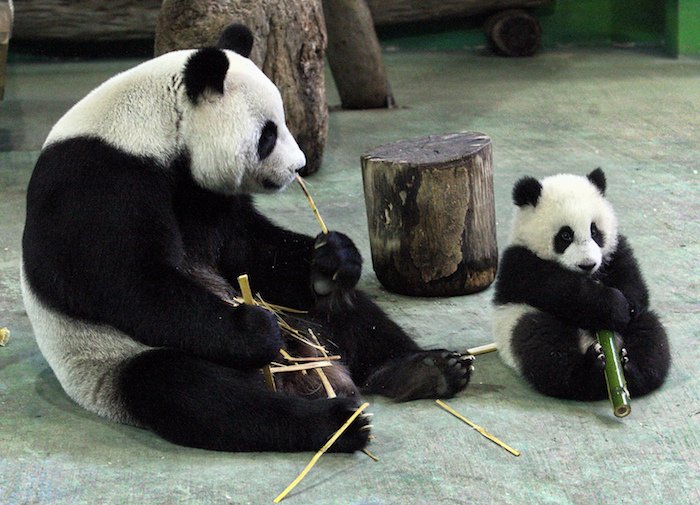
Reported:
(482, 349)
(478, 428)
(324, 229)
(320, 453)
(247, 294)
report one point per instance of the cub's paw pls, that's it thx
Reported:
(336, 413)
(595, 356)
(620, 311)
(336, 264)
(451, 369)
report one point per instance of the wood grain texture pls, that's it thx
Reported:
(430, 214)
(388, 12)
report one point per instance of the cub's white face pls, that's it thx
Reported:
(570, 222)
(238, 140)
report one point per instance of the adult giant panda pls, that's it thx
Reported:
(138, 225)
(567, 273)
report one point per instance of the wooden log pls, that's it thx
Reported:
(85, 20)
(290, 42)
(389, 12)
(355, 56)
(430, 214)
(514, 32)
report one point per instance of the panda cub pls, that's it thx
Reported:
(138, 225)
(567, 273)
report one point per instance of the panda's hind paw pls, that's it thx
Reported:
(357, 435)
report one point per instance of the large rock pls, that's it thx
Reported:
(290, 42)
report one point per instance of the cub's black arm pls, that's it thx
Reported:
(569, 296)
(622, 272)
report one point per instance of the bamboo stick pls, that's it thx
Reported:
(320, 453)
(478, 428)
(4, 336)
(482, 349)
(614, 376)
(244, 284)
(324, 229)
(299, 367)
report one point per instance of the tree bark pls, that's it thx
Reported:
(355, 56)
(431, 215)
(290, 41)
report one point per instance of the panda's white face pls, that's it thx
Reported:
(565, 218)
(238, 140)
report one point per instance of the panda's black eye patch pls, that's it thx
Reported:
(597, 235)
(268, 139)
(563, 238)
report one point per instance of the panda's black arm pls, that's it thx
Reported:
(574, 298)
(277, 261)
(622, 272)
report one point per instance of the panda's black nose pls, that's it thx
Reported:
(586, 267)
(300, 170)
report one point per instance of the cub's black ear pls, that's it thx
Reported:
(205, 70)
(527, 191)
(597, 177)
(237, 38)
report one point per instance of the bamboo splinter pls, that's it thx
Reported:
(320, 453)
(324, 229)
(614, 377)
(244, 284)
(478, 428)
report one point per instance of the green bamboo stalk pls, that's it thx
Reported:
(614, 377)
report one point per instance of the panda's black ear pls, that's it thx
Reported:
(237, 38)
(527, 191)
(597, 177)
(205, 70)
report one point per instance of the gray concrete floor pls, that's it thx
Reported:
(637, 115)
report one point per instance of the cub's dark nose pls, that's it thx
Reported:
(301, 169)
(586, 267)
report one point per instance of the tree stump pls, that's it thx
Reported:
(431, 215)
(355, 56)
(290, 42)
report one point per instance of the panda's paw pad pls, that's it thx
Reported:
(336, 263)
(452, 369)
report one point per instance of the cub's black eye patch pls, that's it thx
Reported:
(563, 238)
(268, 139)
(597, 235)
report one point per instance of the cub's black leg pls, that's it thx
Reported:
(648, 354)
(195, 403)
(551, 360)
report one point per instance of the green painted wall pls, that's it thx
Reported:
(683, 27)
(572, 22)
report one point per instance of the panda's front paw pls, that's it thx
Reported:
(257, 340)
(336, 264)
(619, 310)
(595, 356)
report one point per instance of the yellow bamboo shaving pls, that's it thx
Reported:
(4, 336)
(320, 453)
(304, 359)
(478, 428)
(299, 367)
(244, 284)
(482, 349)
(312, 204)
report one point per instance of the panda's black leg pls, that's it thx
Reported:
(195, 403)
(647, 353)
(383, 359)
(551, 360)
